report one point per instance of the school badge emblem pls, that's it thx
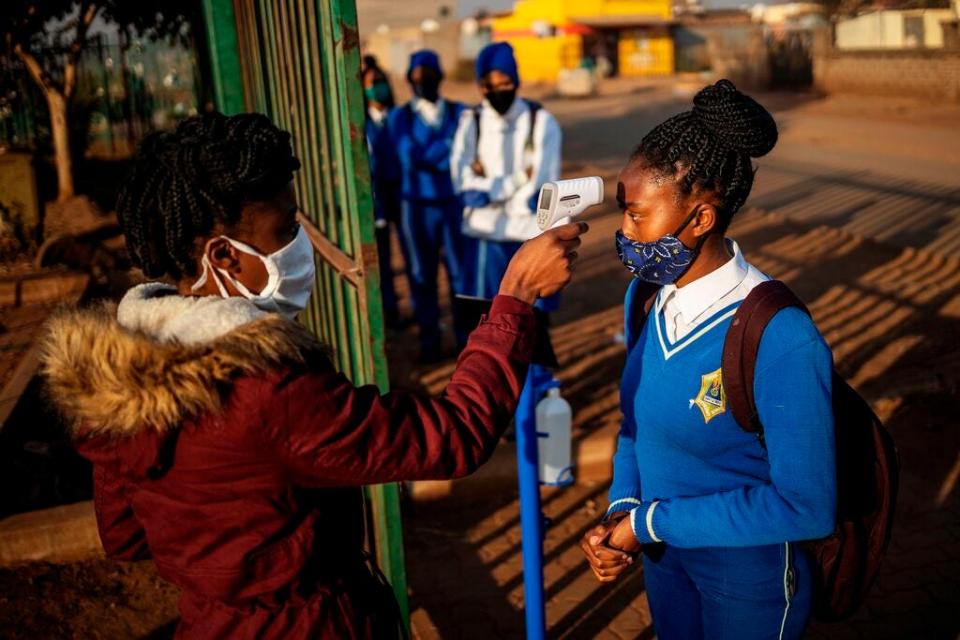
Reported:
(711, 399)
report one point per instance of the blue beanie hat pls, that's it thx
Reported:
(425, 58)
(498, 56)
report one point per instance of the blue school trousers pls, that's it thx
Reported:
(426, 229)
(729, 593)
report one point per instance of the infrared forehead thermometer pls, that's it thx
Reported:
(567, 199)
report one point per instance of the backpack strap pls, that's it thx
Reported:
(476, 122)
(742, 346)
(534, 110)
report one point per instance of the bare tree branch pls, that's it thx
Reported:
(88, 15)
(88, 11)
(34, 68)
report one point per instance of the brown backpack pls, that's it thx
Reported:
(868, 466)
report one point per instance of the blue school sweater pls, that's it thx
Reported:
(423, 152)
(687, 472)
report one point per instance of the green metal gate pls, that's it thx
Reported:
(298, 61)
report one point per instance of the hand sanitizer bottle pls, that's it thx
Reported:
(554, 445)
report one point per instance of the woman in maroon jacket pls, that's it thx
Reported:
(225, 445)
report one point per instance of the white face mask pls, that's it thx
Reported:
(290, 276)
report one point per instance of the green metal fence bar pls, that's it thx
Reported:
(342, 23)
(342, 220)
(224, 55)
(332, 137)
(326, 217)
(321, 190)
(298, 61)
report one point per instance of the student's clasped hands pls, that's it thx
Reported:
(610, 547)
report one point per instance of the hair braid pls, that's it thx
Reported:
(742, 173)
(705, 156)
(711, 145)
(185, 182)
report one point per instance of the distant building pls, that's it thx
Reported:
(476, 32)
(393, 29)
(790, 15)
(701, 35)
(376, 15)
(894, 29)
(623, 37)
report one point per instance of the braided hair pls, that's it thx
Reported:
(710, 147)
(185, 182)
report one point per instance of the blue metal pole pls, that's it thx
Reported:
(531, 517)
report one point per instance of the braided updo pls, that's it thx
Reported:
(711, 146)
(184, 182)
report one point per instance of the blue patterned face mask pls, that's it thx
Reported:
(662, 261)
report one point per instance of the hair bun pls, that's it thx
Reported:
(739, 121)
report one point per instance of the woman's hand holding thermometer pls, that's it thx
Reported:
(567, 199)
(542, 266)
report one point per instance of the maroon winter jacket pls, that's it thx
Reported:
(233, 455)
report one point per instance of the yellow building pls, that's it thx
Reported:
(550, 35)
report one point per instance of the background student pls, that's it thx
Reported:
(505, 149)
(431, 214)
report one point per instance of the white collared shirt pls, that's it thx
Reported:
(430, 112)
(684, 308)
(377, 116)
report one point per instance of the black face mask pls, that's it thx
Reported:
(429, 90)
(502, 100)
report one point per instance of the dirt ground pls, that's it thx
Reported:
(89, 600)
(856, 209)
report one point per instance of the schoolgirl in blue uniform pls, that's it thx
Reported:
(431, 213)
(718, 512)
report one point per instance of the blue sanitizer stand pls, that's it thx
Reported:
(532, 521)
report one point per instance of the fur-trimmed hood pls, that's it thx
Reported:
(160, 358)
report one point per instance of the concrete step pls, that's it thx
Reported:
(60, 534)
